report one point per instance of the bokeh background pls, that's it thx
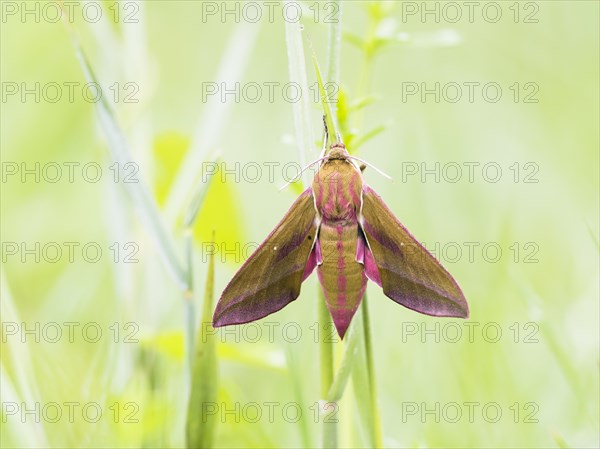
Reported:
(541, 292)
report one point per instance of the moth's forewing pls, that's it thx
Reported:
(271, 277)
(409, 274)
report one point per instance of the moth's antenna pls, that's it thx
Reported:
(325, 137)
(372, 166)
(302, 171)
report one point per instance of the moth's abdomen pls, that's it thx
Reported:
(342, 278)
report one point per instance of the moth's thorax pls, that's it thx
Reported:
(337, 187)
(337, 151)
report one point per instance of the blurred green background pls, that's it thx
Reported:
(541, 292)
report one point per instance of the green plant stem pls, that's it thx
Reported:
(326, 365)
(296, 374)
(326, 348)
(345, 369)
(189, 308)
(330, 433)
(377, 437)
(374, 426)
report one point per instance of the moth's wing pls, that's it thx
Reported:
(407, 272)
(271, 277)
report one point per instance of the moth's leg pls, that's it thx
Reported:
(364, 256)
(360, 248)
(315, 258)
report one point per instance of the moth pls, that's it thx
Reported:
(341, 227)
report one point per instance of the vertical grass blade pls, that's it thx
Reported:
(189, 312)
(138, 191)
(326, 348)
(344, 370)
(200, 426)
(296, 374)
(188, 296)
(301, 109)
(331, 121)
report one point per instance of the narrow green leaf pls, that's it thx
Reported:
(200, 427)
(361, 103)
(367, 136)
(326, 102)
(354, 39)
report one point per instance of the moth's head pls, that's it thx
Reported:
(338, 152)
